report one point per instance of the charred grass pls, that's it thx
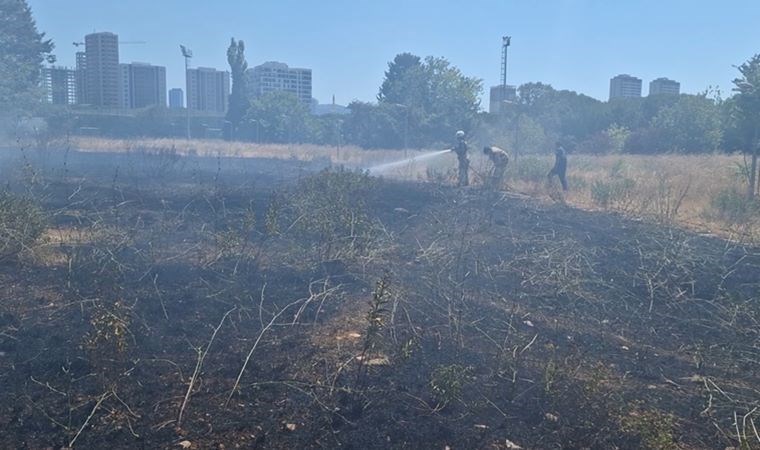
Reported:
(269, 304)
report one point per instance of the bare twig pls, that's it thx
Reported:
(199, 365)
(92, 413)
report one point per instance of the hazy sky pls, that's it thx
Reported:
(571, 44)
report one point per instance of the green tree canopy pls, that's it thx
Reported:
(277, 117)
(420, 102)
(692, 124)
(23, 49)
(404, 80)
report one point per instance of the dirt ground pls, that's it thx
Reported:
(194, 302)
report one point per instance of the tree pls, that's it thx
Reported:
(692, 125)
(402, 76)
(373, 125)
(530, 93)
(420, 102)
(453, 99)
(747, 112)
(277, 117)
(23, 49)
(239, 102)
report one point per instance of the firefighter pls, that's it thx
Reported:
(560, 166)
(464, 162)
(500, 159)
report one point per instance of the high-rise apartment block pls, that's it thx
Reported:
(81, 77)
(176, 98)
(665, 86)
(141, 85)
(276, 76)
(625, 86)
(102, 70)
(208, 90)
(60, 85)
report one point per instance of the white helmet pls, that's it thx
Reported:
(460, 134)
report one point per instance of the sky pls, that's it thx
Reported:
(571, 44)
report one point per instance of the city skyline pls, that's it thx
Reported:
(574, 45)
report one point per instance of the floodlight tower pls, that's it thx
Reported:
(187, 53)
(505, 41)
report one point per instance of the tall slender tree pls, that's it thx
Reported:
(239, 103)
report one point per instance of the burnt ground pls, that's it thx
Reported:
(502, 322)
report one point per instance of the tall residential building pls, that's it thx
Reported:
(102, 69)
(81, 75)
(208, 89)
(60, 85)
(141, 85)
(276, 76)
(499, 95)
(664, 86)
(176, 98)
(625, 86)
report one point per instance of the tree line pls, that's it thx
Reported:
(420, 104)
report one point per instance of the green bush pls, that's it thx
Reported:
(613, 192)
(22, 222)
(733, 206)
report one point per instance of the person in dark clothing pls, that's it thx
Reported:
(500, 159)
(560, 166)
(464, 162)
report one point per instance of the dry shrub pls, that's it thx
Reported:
(326, 212)
(22, 222)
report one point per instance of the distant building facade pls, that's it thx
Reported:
(208, 90)
(499, 95)
(176, 98)
(102, 69)
(60, 85)
(275, 76)
(81, 77)
(664, 86)
(141, 85)
(625, 86)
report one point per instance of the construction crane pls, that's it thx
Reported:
(77, 44)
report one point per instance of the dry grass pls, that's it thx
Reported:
(347, 155)
(672, 189)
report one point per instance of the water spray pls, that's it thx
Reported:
(380, 168)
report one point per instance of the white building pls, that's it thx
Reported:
(275, 76)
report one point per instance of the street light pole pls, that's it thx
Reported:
(406, 126)
(187, 53)
(505, 42)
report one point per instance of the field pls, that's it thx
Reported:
(701, 192)
(255, 298)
